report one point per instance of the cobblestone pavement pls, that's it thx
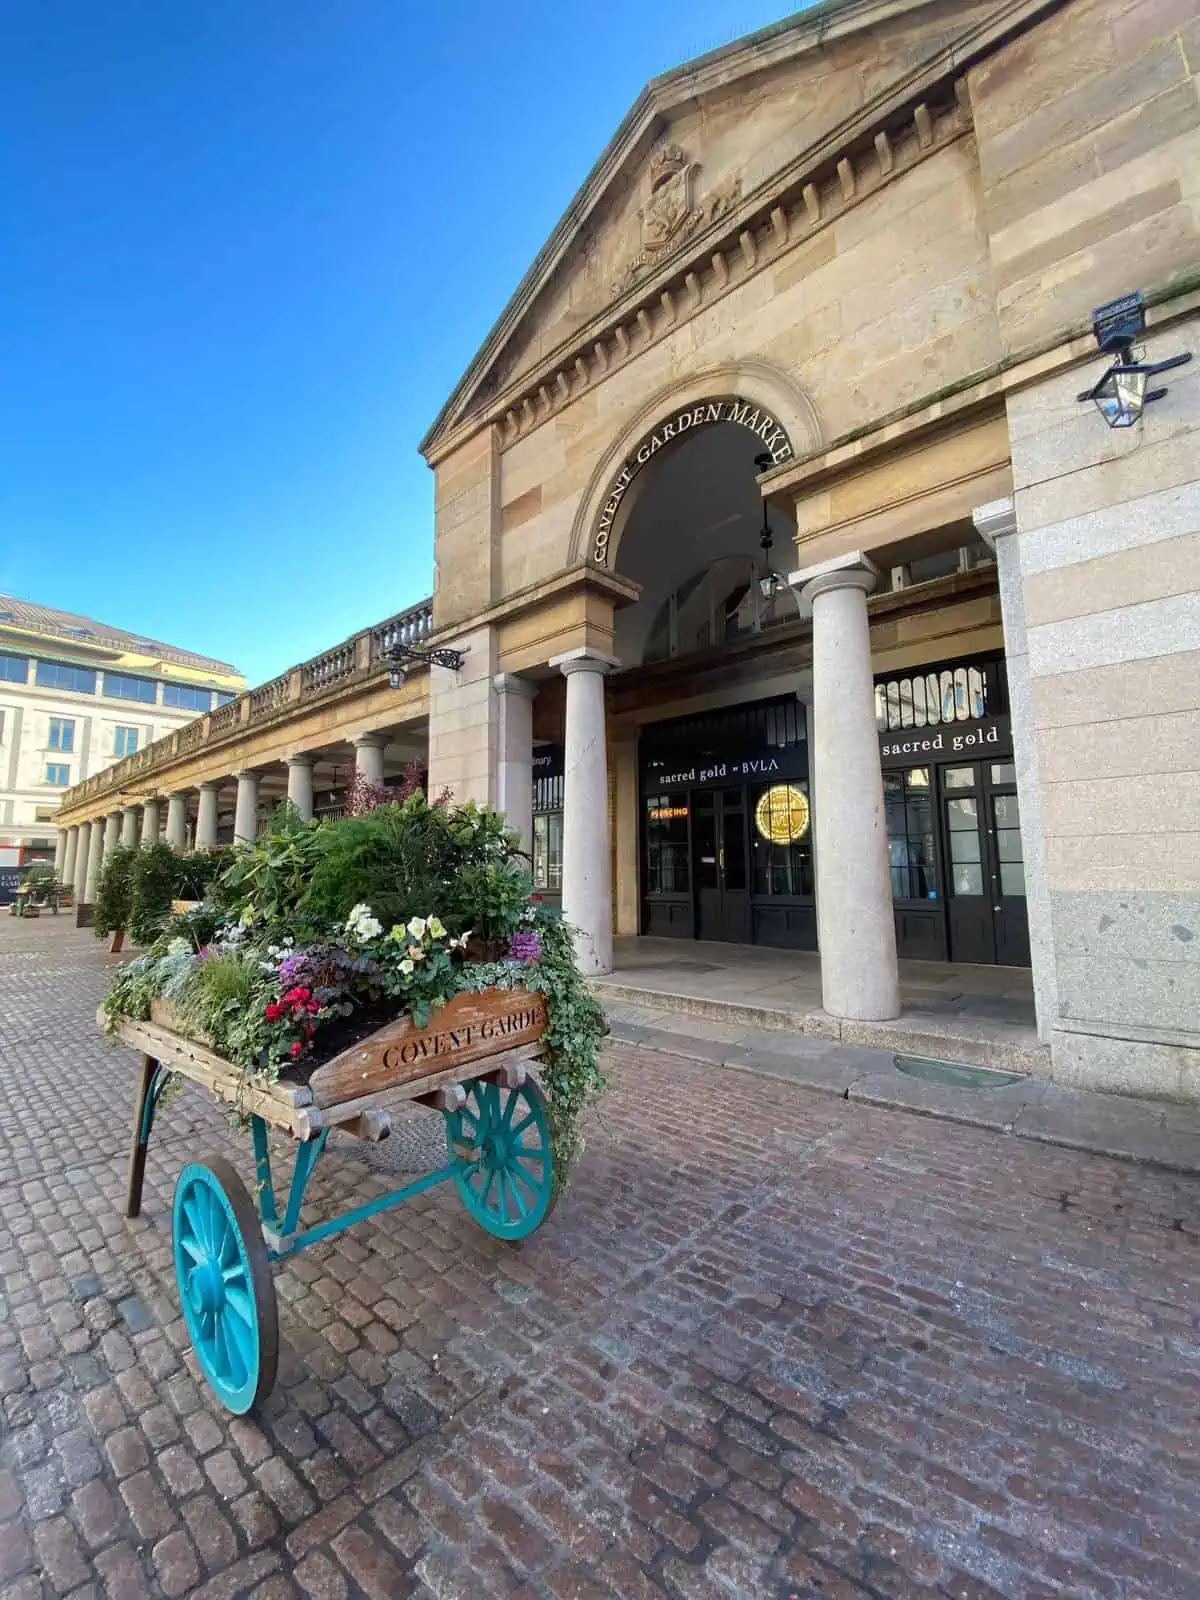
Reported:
(771, 1344)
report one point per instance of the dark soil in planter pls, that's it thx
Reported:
(334, 1037)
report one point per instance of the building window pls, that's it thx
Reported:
(62, 734)
(908, 809)
(122, 686)
(667, 869)
(185, 697)
(57, 775)
(223, 698)
(940, 695)
(547, 834)
(126, 742)
(14, 669)
(62, 675)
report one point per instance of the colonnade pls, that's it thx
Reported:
(859, 973)
(82, 847)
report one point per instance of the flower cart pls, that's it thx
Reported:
(472, 1063)
(290, 999)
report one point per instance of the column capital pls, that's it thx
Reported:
(514, 683)
(210, 786)
(369, 741)
(302, 758)
(850, 571)
(584, 660)
(995, 520)
(246, 773)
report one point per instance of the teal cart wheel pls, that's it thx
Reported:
(501, 1141)
(225, 1283)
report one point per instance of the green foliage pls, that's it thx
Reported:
(263, 882)
(195, 871)
(153, 878)
(114, 896)
(570, 1066)
(408, 860)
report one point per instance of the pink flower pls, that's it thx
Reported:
(296, 1049)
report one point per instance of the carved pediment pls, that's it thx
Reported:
(720, 139)
(669, 215)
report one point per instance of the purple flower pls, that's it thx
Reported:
(524, 946)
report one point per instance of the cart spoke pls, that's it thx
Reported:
(192, 1205)
(509, 1107)
(193, 1249)
(524, 1123)
(239, 1302)
(487, 1189)
(239, 1337)
(519, 1204)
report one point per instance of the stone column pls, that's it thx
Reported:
(996, 523)
(587, 873)
(855, 922)
(112, 833)
(300, 783)
(245, 817)
(81, 862)
(60, 852)
(177, 820)
(514, 746)
(368, 756)
(206, 817)
(68, 867)
(87, 867)
(150, 821)
(129, 827)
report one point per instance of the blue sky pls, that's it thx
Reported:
(248, 247)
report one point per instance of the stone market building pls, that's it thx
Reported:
(799, 593)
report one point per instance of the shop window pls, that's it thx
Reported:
(667, 844)
(782, 840)
(125, 742)
(62, 734)
(14, 669)
(547, 852)
(908, 810)
(57, 774)
(62, 675)
(926, 700)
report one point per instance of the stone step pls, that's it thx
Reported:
(971, 1040)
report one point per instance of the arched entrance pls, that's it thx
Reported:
(724, 836)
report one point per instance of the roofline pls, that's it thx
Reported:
(810, 27)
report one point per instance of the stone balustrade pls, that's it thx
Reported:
(364, 655)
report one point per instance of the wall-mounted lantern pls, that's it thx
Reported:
(1122, 392)
(401, 654)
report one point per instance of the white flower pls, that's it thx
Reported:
(416, 952)
(461, 942)
(417, 927)
(436, 929)
(361, 925)
(406, 967)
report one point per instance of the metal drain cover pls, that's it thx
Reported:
(954, 1074)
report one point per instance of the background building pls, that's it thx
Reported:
(77, 695)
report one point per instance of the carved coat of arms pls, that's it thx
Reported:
(669, 214)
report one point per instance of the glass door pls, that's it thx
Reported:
(719, 865)
(988, 921)
(1009, 910)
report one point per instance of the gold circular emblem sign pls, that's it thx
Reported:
(781, 815)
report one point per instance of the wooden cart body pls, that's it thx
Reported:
(473, 1063)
